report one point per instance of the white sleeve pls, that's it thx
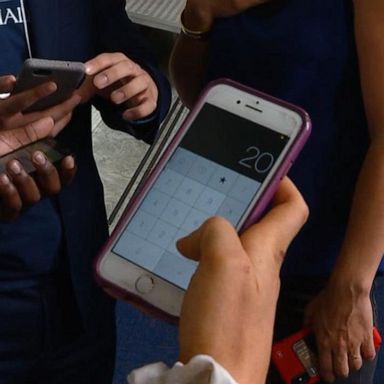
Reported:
(201, 369)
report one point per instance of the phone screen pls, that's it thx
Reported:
(217, 169)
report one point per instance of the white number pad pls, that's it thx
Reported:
(188, 191)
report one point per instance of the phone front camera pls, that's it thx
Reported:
(238, 102)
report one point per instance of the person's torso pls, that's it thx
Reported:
(304, 52)
(32, 244)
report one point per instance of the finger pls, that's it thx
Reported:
(325, 363)
(280, 225)
(7, 83)
(119, 71)
(103, 61)
(67, 169)
(355, 360)
(61, 110)
(340, 361)
(46, 174)
(134, 87)
(13, 139)
(216, 237)
(368, 350)
(61, 124)
(137, 100)
(87, 90)
(26, 186)
(11, 203)
(146, 108)
(21, 101)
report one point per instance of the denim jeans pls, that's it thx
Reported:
(295, 295)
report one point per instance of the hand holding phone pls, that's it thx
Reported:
(295, 357)
(28, 173)
(13, 119)
(66, 75)
(125, 83)
(227, 159)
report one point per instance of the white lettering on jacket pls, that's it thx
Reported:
(9, 16)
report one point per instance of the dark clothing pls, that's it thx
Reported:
(67, 231)
(12, 37)
(304, 52)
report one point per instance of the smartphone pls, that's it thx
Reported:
(50, 147)
(226, 159)
(68, 76)
(295, 357)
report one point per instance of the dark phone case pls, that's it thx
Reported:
(68, 76)
(50, 147)
(289, 353)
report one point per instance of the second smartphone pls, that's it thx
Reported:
(67, 75)
(227, 159)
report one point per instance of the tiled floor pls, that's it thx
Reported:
(141, 339)
(117, 156)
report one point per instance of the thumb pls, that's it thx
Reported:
(275, 231)
(216, 238)
(7, 83)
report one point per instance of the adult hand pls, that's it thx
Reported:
(12, 116)
(200, 14)
(229, 307)
(125, 83)
(17, 188)
(343, 323)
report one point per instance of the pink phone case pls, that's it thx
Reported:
(259, 206)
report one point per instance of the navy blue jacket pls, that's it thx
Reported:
(79, 30)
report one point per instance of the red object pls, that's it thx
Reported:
(295, 357)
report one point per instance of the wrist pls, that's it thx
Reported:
(353, 286)
(197, 18)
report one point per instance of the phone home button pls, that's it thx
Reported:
(144, 284)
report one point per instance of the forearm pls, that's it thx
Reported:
(364, 242)
(187, 66)
(189, 56)
(363, 245)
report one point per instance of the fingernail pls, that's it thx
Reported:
(15, 167)
(51, 87)
(4, 179)
(101, 80)
(69, 162)
(118, 96)
(39, 158)
(88, 69)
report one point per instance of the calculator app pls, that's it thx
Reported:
(217, 169)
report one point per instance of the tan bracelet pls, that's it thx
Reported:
(195, 35)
